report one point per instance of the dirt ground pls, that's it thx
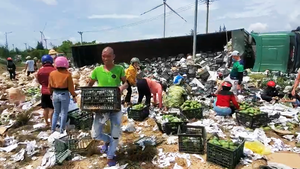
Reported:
(94, 161)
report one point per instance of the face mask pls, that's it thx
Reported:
(233, 60)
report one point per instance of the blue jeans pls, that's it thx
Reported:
(61, 100)
(222, 111)
(113, 138)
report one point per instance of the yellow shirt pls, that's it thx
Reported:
(131, 74)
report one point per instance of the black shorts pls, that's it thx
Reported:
(46, 102)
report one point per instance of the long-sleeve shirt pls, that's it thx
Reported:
(131, 74)
(224, 98)
(61, 80)
(269, 93)
(43, 78)
(156, 89)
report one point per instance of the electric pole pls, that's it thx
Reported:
(195, 29)
(80, 33)
(13, 47)
(207, 12)
(6, 41)
(25, 45)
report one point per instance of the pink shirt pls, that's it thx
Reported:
(155, 89)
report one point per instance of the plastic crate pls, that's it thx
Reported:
(192, 139)
(62, 156)
(252, 121)
(193, 113)
(224, 157)
(60, 145)
(138, 115)
(79, 145)
(171, 127)
(101, 98)
(81, 119)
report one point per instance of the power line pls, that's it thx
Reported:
(181, 9)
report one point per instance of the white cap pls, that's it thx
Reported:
(235, 53)
(189, 57)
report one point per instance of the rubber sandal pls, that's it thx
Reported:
(112, 162)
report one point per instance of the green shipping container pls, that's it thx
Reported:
(272, 51)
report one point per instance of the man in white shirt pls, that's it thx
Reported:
(29, 65)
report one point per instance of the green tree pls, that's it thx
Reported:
(40, 46)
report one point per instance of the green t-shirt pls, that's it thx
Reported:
(236, 68)
(110, 78)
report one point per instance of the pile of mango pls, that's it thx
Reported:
(171, 118)
(227, 144)
(138, 107)
(291, 126)
(190, 105)
(249, 109)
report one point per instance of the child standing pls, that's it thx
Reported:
(61, 85)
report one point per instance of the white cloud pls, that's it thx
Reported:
(294, 20)
(258, 27)
(72, 39)
(113, 16)
(50, 2)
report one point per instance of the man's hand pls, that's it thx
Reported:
(74, 99)
(275, 98)
(293, 92)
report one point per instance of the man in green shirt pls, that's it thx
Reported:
(108, 75)
(236, 74)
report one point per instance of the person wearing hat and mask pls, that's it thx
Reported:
(29, 65)
(43, 79)
(11, 68)
(131, 74)
(236, 74)
(270, 93)
(53, 53)
(224, 98)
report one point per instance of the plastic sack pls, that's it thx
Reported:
(257, 147)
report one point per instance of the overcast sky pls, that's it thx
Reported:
(106, 19)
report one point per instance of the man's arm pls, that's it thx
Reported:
(91, 82)
(296, 83)
(124, 85)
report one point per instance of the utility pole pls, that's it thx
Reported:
(45, 42)
(13, 47)
(195, 30)
(6, 41)
(25, 45)
(80, 33)
(207, 13)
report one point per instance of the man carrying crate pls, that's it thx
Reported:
(108, 75)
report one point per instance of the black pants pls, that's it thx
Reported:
(129, 92)
(29, 72)
(143, 90)
(12, 74)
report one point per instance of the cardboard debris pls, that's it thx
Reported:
(286, 158)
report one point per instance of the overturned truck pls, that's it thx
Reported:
(209, 44)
